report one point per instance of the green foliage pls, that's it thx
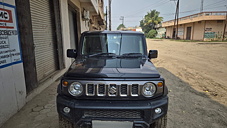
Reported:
(151, 34)
(121, 26)
(150, 20)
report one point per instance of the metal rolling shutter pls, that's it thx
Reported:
(44, 37)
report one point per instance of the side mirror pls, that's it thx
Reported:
(71, 53)
(153, 54)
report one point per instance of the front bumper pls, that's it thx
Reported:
(82, 112)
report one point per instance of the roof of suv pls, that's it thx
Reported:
(112, 32)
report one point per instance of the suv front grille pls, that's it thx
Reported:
(112, 90)
(119, 114)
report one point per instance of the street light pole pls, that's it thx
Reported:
(201, 9)
(106, 18)
(122, 18)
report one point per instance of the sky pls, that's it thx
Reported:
(134, 10)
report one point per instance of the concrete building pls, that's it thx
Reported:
(161, 31)
(137, 29)
(200, 26)
(34, 37)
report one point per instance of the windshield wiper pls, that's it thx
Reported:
(103, 54)
(132, 55)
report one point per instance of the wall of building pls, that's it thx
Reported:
(203, 30)
(169, 32)
(65, 30)
(181, 32)
(83, 24)
(198, 30)
(185, 30)
(12, 84)
(160, 32)
(214, 28)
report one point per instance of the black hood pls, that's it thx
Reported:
(112, 68)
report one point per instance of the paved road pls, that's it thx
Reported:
(40, 112)
(188, 108)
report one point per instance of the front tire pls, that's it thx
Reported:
(161, 123)
(64, 123)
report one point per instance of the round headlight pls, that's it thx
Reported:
(75, 89)
(148, 90)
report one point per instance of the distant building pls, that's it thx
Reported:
(161, 31)
(138, 29)
(200, 26)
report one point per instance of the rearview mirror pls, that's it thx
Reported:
(71, 53)
(153, 54)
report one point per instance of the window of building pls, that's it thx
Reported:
(220, 21)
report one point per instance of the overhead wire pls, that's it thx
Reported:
(160, 3)
(214, 3)
(131, 11)
(171, 14)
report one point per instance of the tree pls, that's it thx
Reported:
(151, 34)
(150, 20)
(121, 26)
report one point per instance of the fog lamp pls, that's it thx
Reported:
(66, 109)
(158, 110)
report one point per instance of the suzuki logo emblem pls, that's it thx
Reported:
(112, 90)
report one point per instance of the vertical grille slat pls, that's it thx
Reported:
(101, 90)
(124, 90)
(90, 89)
(135, 90)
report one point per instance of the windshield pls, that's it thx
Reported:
(117, 44)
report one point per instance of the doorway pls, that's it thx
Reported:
(174, 33)
(188, 35)
(73, 27)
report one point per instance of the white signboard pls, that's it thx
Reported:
(180, 31)
(10, 52)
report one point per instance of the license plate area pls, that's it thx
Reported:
(111, 124)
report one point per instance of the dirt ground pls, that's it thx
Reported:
(196, 75)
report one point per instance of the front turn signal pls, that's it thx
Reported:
(65, 83)
(160, 84)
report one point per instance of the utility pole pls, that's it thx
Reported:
(122, 18)
(110, 15)
(106, 17)
(201, 9)
(178, 8)
(223, 38)
(176, 20)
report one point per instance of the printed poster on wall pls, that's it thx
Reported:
(180, 31)
(10, 52)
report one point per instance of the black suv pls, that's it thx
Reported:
(112, 83)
